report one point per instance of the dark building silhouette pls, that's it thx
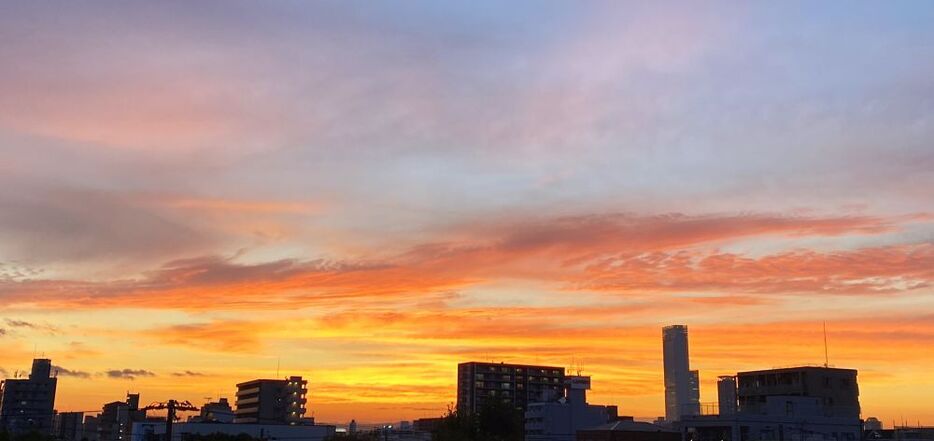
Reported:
(116, 419)
(26, 404)
(625, 429)
(517, 384)
(682, 387)
(800, 403)
(559, 420)
(216, 412)
(726, 394)
(90, 431)
(836, 389)
(272, 402)
(68, 426)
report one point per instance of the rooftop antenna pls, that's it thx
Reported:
(826, 356)
(278, 363)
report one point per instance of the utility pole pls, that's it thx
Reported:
(171, 407)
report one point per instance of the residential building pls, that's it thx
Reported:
(146, 431)
(515, 384)
(682, 385)
(272, 402)
(793, 404)
(68, 426)
(559, 420)
(116, 419)
(26, 404)
(625, 429)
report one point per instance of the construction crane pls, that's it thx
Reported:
(171, 407)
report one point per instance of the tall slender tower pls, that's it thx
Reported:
(682, 394)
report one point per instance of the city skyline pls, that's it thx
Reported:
(193, 195)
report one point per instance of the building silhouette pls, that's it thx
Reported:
(272, 402)
(726, 394)
(835, 389)
(68, 426)
(559, 420)
(26, 404)
(626, 429)
(682, 387)
(516, 384)
(805, 403)
(216, 412)
(116, 419)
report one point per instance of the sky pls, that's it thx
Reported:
(367, 193)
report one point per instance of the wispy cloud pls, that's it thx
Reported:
(64, 372)
(129, 374)
(188, 374)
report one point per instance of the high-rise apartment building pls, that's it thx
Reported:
(515, 384)
(272, 402)
(682, 386)
(26, 404)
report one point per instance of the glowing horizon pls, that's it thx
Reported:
(371, 193)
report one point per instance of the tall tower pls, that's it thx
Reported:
(682, 394)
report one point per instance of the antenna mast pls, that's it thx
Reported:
(826, 357)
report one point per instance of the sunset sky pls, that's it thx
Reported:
(367, 193)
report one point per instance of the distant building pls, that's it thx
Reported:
(682, 386)
(872, 423)
(146, 431)
(217, 412)
(516, 384)
(793, 404)
(116, 419)
(901, 433)
(26, 404)
(626, 429)
(426, 424)
(272, 402)
(559, 420)
(68, 426)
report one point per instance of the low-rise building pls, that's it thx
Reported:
(625, 429)
(148, 431)
(791, 404)
(559, 420)
(216, 412)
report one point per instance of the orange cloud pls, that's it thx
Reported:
(605, 253)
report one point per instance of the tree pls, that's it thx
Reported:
(495, 421)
